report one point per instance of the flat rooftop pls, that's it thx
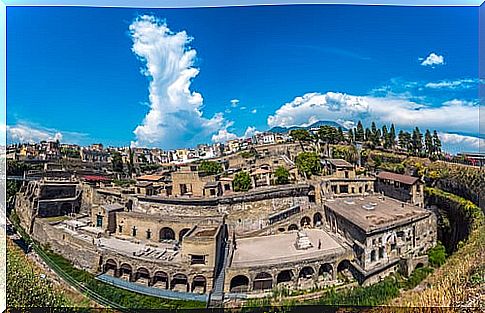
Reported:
(278, 249)
(371, 213)
(163, 252)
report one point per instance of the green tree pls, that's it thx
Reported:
(308, 163)
(210, 167)
(341, 136)
(404, 139)
(392, 137)
(436, 143)
(428, 143)
(385, 136)
(329, 134)
(417, 141)
(301, 135)
(350, 136)
(359, 132)
(282, 175)
(117, 162)
(242, 181)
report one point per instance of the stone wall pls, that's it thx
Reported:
(80, 252)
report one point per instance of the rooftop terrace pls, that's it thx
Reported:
(281, 248)
(374, 212)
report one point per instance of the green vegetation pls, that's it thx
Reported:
(210, 167)
(347, 152)
(452, 283)
(301, 135)
(330, 134)
(282, 175)
(308, 163)
(17, 168)
(123, 182)
(117, 162)
(242, 181)
(437, 255)
(373, 295)
(416, 277)
(25, 286)
(70, 153)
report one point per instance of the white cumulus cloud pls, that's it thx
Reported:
(223, 136)
(460, 143)
(23, 133)
(454, 115)
(254, 111)
(175, 117)
(433, 59)
(250, 132)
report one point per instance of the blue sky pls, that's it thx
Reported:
(176, 77)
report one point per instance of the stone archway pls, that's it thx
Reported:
(182, 233)
(317, 219)
(167, 233)
(110, 267)
(199, 284)
(239, 283)
(284, 276)
(160, 279)
(346, 271)
(292, 227)
(179, 282)
(142, 275)
(325, 272)
(263, 281)
(305, 221)
(126, 272)
(306, 272)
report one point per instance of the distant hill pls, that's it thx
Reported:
(281, 130)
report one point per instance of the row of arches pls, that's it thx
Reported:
(159, 279)
(305, 221)
(266, 281)
(167, 233)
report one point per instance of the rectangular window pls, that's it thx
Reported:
(197, 259)
(99, 220)
(149, 234)
(120, 228)
(133, 232)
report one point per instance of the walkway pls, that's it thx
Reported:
(150, 291)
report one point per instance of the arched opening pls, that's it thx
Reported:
(317, 219)
(199, 284)
(306, 272)
(281, 230)
(325, 272)
(305, 221)
(66, 208)
(167, 233)
(126, 271)
(345, 271)
(263, 281)
(142, 275)
(292, 227)
(160, 279)
(182, 233)
(239, 283)
(110, 267)
(284, 276)
(179, 283)
(419, 265)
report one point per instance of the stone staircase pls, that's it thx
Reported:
(216, 297)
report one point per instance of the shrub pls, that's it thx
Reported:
(242, 181)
